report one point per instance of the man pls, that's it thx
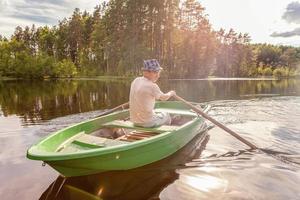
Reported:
(143, 93)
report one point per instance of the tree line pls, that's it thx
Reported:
(118, 35)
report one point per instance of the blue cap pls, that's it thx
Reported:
(151, 65)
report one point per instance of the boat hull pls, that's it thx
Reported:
(123, 157)
(131, 158)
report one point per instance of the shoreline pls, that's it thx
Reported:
(123, 78)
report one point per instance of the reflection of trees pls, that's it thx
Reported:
(206, 90)
(287, 86)
(43, 100)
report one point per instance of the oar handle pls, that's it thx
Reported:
(123, 106)
(231, 132)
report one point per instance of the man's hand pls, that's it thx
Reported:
(172, 93)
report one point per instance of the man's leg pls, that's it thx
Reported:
(162, 118)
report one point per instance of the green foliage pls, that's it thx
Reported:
(297, 72)
(267, 71)
(268, 54)
(120, 34)
(65, 68)
(260, 70)
(281, 72)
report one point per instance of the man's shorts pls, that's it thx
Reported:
(160, 118)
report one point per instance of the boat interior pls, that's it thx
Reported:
(125, 130)
(122, 131)
(118, 132)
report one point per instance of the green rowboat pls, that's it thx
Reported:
(79, 150)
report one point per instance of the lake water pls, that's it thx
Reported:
(266, 112)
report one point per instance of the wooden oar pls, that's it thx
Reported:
(123, 106)
(231, 132)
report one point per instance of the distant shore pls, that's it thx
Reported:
(122, 78)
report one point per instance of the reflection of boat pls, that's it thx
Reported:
(76, 151)
(141, 183)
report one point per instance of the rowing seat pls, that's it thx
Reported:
(130, 125)
(136, 135)
(90, 140)
(86, 141)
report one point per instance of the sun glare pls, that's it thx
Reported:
(205, 183)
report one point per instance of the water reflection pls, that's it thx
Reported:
(230, 172)
(44, 100)
(142, 183)
(204, 183)
(207, 90)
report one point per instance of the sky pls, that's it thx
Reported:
(39, 12)
(267, 21)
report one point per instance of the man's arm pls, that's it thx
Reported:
(158, 94)
(166, 96)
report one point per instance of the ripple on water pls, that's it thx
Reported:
(224, 170)
(243, 176)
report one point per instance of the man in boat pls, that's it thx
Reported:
(143, 93)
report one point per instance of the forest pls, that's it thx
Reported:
(118, 35)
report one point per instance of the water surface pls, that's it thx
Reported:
(266, 112)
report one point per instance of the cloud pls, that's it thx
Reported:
(38, 12)
(295, 32)
(44, 11)
(3, 4)
(292, 13)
